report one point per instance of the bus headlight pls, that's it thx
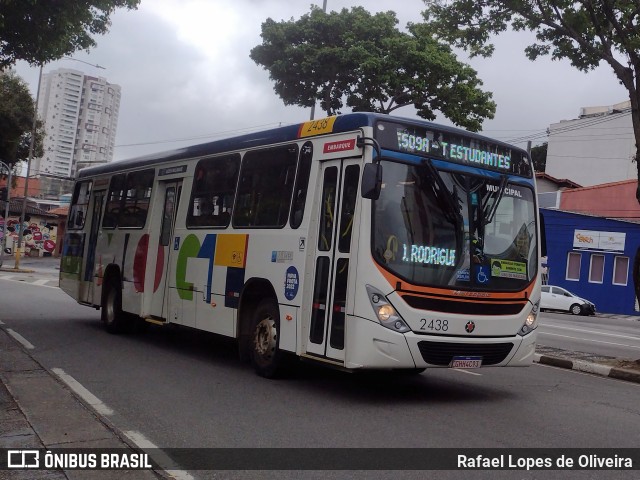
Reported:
(531, 323)
(385, 313)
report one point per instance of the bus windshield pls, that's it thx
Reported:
(448, 229)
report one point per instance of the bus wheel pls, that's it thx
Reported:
(112, 315)
(265, 354)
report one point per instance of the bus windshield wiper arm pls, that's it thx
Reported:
(488, 218)
(444, 198)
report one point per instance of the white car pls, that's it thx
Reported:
(557, 298)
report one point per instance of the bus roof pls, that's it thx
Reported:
(289, 133)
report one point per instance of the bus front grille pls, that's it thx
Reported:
(441, 353)
(467, 307)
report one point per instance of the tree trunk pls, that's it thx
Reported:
(634, 95)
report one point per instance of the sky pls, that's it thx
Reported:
(186, 75)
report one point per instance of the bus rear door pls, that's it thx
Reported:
(88, 291)
(161, 249)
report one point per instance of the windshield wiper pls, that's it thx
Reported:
(488, 218)
(448, 202)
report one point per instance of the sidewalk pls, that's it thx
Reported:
(48, 265)
(38, 411)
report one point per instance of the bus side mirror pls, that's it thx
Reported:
(371, 181)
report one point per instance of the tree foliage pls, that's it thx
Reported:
(39, 31)
(363, 61)
(539, 157)
(16, 120)
(586, 33)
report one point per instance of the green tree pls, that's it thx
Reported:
(39, 31)
(16, 120)
(586, 33)
(363, 61)
(539, 157)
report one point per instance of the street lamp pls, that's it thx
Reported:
(313, 107)
(31, 148)
(6, 213)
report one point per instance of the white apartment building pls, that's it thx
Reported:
(80, 113)
(598, 147)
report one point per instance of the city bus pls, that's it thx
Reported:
(359, 241)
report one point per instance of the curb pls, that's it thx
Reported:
(16, 270)
(588, 367)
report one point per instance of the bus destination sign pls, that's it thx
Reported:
(452, 147)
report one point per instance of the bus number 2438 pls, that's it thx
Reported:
(435, 325)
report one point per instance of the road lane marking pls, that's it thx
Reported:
(40, 281)
(25, 343)
(461, 370)
(144, 443)
(24, 282)
(595, 332)
(589, 340)
(137, 438)
(82, 392)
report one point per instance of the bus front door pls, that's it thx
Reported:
(337, 200)
(165, 221)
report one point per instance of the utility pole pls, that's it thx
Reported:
(313, 108)
(3, 244)
(32, 142)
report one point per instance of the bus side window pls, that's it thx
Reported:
(265, 187)
(114, 201)
(213, 193)
(302, 184)
(79, 205)
(136, 199)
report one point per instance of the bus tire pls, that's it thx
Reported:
(112, 315)
(266, 357)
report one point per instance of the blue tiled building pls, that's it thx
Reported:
(593, 258)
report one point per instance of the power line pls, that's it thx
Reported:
(572, 127)
(200, 137)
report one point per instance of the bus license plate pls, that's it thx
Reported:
(466, 362)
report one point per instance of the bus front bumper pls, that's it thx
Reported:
(370, 345)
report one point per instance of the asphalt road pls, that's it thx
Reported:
(182, 388)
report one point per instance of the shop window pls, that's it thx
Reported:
(596, 268)
(573, 266)
(620, 271)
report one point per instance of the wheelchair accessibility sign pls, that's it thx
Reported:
(482, 274)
